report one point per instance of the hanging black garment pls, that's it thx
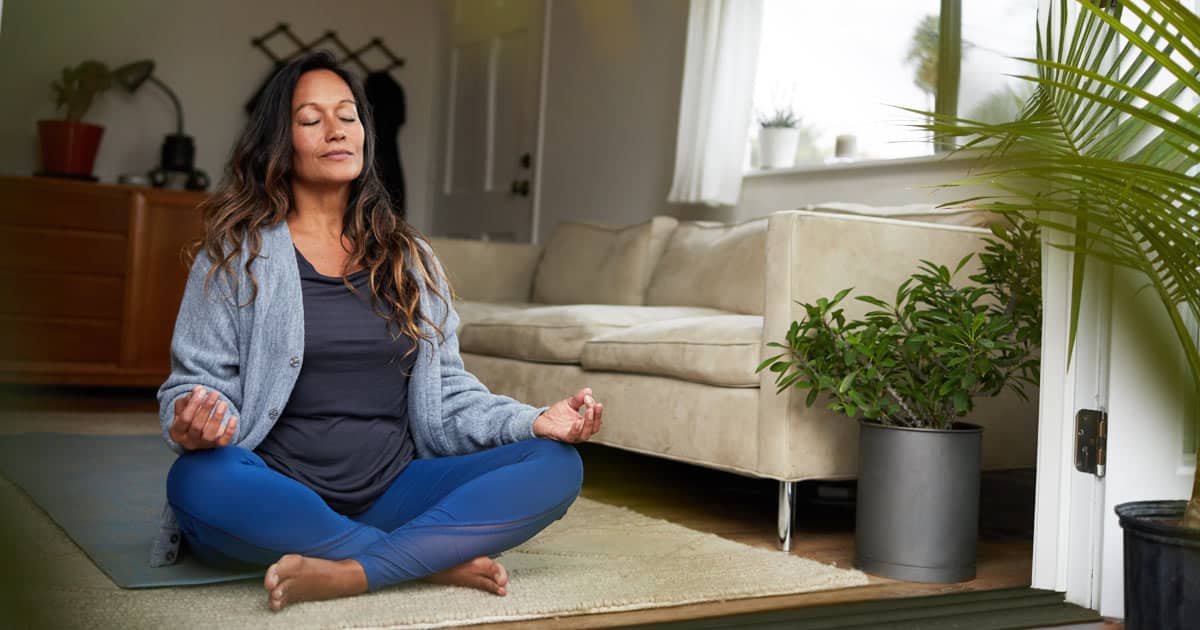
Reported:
(387, 104)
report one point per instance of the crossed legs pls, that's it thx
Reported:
(439, 520)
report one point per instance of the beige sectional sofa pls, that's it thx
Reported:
(666, 321)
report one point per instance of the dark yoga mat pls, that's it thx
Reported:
(107, 492)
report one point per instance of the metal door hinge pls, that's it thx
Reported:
(1091, 441)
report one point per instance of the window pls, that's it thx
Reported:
(844, 67)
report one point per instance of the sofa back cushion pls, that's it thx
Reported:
(488, 271)
(590, 263)
(713, 264)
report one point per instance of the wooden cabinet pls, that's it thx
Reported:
(91, 276)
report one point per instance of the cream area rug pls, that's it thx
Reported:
(598, 558)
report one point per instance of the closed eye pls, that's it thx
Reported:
(317, 122)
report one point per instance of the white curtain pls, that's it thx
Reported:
(717, 99)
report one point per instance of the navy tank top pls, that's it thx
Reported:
(344, 431)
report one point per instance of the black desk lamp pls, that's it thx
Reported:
(178, 149)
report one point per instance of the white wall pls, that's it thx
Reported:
(203, 52)
(612, 108)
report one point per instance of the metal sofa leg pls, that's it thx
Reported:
(787, 513)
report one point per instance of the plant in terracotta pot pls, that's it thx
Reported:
(69, 146)
(911, 369)
(778, 138)
(1106, 152)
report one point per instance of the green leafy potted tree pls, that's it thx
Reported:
(911, 369)
(69, 146)
(778, 138)
(1106, 151)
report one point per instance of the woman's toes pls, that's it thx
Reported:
(485, 583)
(501, 575)
(289, 564)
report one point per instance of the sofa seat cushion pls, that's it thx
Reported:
(470, 311)
(556, 334)
(720, 350)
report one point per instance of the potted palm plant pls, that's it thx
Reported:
(911, 370)
(778, 138)
(1106, 151)
(69, 146)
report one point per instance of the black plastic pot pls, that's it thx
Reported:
(917, 517)
(1162, 566)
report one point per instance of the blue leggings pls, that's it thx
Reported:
(233, 510)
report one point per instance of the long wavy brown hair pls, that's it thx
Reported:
(256, 193)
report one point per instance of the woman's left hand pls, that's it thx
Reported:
(573, 420)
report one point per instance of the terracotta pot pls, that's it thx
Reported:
(69, 147)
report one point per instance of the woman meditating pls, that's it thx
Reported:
(326, 425)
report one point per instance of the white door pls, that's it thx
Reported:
(490, 145)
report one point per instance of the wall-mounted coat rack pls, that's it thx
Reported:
(356, 55)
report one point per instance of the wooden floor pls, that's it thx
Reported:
(731, 506)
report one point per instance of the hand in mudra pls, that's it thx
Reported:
(196, 426)
(572, 420)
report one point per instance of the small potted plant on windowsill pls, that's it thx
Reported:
(778, 138)
(910, 370)
(69, 146)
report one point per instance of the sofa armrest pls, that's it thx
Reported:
(488, 271)
(810, 255)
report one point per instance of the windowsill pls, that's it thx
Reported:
(833, 165)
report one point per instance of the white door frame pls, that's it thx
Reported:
(1068, 511)
(540, 141)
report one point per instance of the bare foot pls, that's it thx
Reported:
(482, 573)
(296, 578)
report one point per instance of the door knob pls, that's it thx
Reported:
(519, 187)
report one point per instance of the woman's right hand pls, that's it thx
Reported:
(196, 426)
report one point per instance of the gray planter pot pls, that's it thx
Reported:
(918, 502)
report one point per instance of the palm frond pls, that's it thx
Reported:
(1103, 151)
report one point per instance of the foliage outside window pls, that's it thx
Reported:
(845, 67)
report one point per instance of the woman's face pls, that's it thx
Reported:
(327, 136)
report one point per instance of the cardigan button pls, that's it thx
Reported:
(274, 413)
(294, 362)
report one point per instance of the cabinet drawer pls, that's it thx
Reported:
(57, 250)
(60, 339)
(54, 203)
(61, 295)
